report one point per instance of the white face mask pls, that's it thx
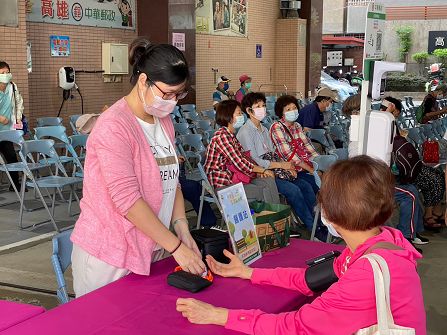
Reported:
(329, 226)
(160, 108)
(5, 78)
(239, 122)
(291, 116)
(259, 113)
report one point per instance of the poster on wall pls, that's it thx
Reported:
(222, 17)
(178, 40)
(95, 13)
(60, 46)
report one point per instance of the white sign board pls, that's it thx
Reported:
(178, 40)
(334, 58)
(240, 223)
(375, 28)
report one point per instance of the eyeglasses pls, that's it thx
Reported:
(170, 95)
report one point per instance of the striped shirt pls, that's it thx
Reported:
(224, 149)
(282, 141)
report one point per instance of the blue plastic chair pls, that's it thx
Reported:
(340, 153)
(73, 119)
(319, 135)
(191, 116)
(207, 195)
(193, 146)
(61, 260)
(59, 132)
(320, 163)
(49, 121)
(16, 137)
(46, 149)
(182, 128)
(79, 141)
(209, 114)
(187, 108)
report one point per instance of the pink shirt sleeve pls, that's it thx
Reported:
(114, 155)
(336, 311)
(291, 278)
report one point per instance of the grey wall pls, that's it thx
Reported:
(420, 36)
(333, 13)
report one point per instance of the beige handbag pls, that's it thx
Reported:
(385, 322)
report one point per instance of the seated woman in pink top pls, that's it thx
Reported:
(356, 199)
(131, 193)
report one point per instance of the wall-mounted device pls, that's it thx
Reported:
(66, 77)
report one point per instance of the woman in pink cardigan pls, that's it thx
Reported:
(131, 194)
(356, 198)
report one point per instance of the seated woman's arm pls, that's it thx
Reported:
(236, 157)
(344, 308)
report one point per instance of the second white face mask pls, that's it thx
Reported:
(329, 226)
(259, 113)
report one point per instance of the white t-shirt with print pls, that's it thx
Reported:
(166, 158)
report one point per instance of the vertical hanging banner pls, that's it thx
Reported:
(240, 223)
(375, 27)
(222, 17)
(100, 13)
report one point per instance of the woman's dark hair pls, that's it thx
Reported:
(250, 99)
(282, 102)
(358, 194)
(225, 111)
(160, 62)
(3, 65)
(396, 102)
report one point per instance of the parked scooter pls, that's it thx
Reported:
(435, 75)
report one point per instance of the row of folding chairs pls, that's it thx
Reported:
(42, 170)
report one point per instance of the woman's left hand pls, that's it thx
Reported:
(202, 313)
(267, 174)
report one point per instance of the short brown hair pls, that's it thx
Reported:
(225, 111)
(351, 104)
(282, 102)
(357, 194)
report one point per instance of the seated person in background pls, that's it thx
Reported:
(429, 109)
(291, 144)
(406, 196)
(226, 162)
(428, 180)
(255, 139)
(244, 89)
(222, 93)
(311, 115)
(356, 200)
(192, 190)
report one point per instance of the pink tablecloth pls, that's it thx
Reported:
(146, 305)
(12, 313)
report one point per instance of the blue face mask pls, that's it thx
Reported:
(291, 116)
(239, 122)
(226, 87)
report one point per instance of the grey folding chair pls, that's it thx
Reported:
(207, 195)
(46, 149)
(61, 260)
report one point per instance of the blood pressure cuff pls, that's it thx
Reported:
(321, 276)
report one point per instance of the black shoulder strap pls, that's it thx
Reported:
(15, 100)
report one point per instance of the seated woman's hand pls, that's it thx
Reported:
(293, 173)
(202, 313)
(236, 268)
(267, 174)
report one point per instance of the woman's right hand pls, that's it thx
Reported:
(4, 120)
(189, 260)
(236, 268)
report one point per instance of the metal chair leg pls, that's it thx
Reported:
(314, 226)
(202, 199)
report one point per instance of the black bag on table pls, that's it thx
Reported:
(212, 242)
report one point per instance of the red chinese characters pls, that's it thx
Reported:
(47, 8)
